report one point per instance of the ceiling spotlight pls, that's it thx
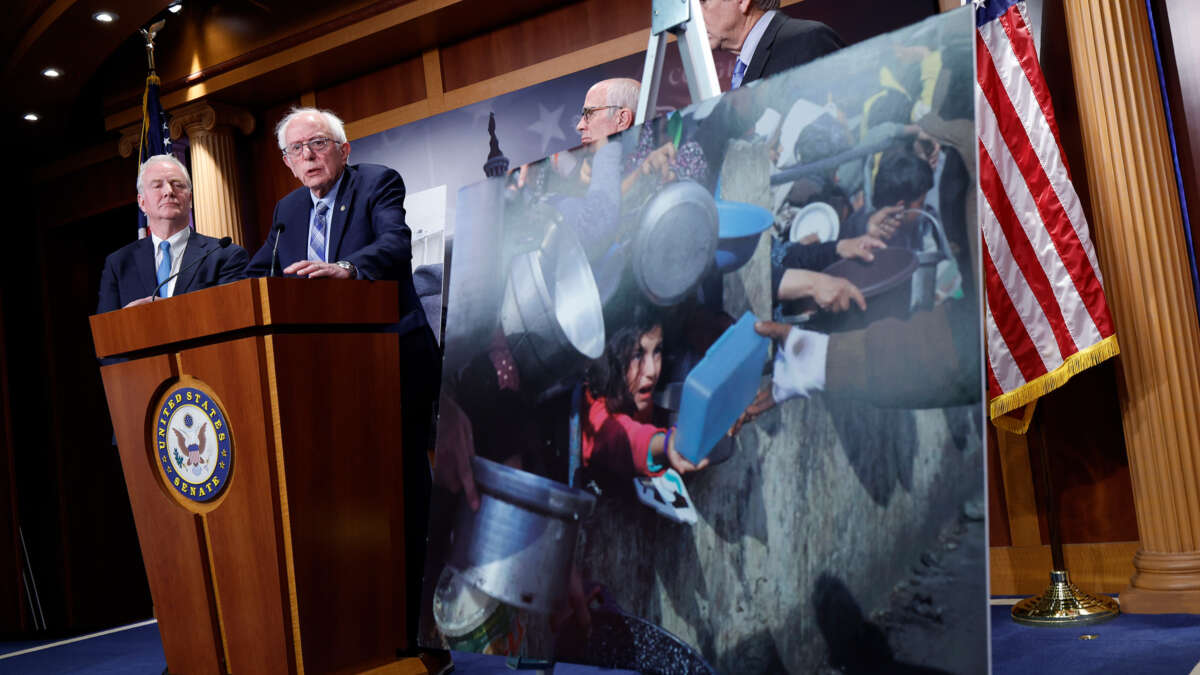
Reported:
(175, 7)
(32, 117)
(104, 17)
(52, 73)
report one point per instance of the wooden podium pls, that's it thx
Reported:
(278, 400)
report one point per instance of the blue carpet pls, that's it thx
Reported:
(1145, 644)
(137, 650)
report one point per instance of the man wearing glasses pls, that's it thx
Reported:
(347, 222)
(607, 108)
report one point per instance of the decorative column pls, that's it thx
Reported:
(215, 190)
(1143, 256)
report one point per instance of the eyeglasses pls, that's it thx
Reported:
(317, 145)
(585, 115)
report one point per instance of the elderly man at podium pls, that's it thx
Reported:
(173, 260)
(347, 222)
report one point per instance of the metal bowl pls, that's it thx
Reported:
(551, 313)
(675, 241)
(519, 545)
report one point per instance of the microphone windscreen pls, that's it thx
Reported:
(225, 241)
(278, 227)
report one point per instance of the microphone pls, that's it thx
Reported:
(278, 227)
(224, 241)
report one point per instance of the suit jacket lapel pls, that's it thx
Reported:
(758, 59)
(196, 247)
(341, 208)
(144, 262)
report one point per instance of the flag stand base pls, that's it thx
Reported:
(1063, 604)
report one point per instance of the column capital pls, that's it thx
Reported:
(206, 116)
(131, 136)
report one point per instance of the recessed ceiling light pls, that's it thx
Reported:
(52, 73)
(104, 17)
(175, 7)
(32, 117)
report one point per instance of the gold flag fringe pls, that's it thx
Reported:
(1031, 391)
(1016, 425)
(150, 79)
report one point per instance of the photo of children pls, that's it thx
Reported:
(712, 384)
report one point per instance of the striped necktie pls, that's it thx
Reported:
(316, 234)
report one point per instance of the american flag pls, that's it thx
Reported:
(156, 135)
(1047, 318)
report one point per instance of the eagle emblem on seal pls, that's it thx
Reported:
(193, 453)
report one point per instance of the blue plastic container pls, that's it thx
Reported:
(739, 227)
(719, 388)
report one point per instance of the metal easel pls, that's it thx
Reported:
(683, 19)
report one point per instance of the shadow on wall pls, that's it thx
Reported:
(856, 646)
(880, 445)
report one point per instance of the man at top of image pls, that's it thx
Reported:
(133, 272)
(765, 40)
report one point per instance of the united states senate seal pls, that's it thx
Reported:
(193, 443)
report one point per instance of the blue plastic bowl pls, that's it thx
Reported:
(719, 388)
(739, 227)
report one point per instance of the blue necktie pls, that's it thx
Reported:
(316, 234)
(164, 266)
(739, 71)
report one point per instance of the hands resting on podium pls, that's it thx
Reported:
(313, 269)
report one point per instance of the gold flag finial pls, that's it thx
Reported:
(149, 33)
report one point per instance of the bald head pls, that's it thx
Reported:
(607, 109)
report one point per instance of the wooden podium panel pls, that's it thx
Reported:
(171, 538)
(297, 565)
(340, 469)
(246, 531)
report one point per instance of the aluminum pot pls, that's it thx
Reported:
(551, 312)
(675, 241)
(925, 276)
(518, 547)
(476, 272)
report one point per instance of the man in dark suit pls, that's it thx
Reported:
(132, 273)
(347, 222)
(765, 40)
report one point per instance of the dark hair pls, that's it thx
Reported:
(893, 106)
(767, 5)
(821, 139)
(902, 176)
(606, 377)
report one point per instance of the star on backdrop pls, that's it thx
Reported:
(548, 125)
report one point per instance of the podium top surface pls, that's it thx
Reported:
(243, 307)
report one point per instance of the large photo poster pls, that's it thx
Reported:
(711, 395)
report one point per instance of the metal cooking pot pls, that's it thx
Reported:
(924, 279)
(675, 241)
(551, 312)
(476, 273)
(518, 547)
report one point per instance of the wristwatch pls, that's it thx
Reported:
(349, 267)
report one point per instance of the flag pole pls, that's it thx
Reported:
(1062, 603)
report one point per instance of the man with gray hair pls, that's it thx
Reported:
(135, 273)
(765, 40)
(608, 108)
(346, 221)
